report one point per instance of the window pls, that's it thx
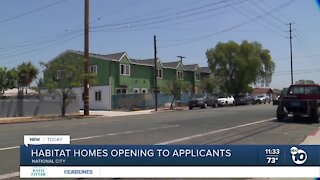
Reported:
(197, 76)
(159, 73)
(93, 69)
(136, 90)
(97, 95)
(144, 90)
(180, 75)
(121, 91)
(125, 69)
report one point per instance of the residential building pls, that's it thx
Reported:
(119, 74)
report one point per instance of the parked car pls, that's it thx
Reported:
(203, 101)
(226, 100)
(244, 100)
(263, 98)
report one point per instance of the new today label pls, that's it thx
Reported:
(46, 139)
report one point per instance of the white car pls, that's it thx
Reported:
(226, 100)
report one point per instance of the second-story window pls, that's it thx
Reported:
(93, 69)
(125, 69)
(197, 76)
(180, 75)
(159, 73)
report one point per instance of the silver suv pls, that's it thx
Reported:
(263, 98)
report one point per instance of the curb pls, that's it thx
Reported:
(15, 120)
(313, 137)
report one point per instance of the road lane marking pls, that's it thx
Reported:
(213, 132)
(103, 135)
(125, 132)
(9, 148)
(10, 175)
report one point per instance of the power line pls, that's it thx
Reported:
(230, 28)
(152, 19)
(41, 48)
(32, 11)
(249, 10)
(274, 17)
(117, 10)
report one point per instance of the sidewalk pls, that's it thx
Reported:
(118, 113)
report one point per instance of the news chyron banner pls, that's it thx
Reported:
(53, 156)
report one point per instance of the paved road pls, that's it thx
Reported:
(232, 125)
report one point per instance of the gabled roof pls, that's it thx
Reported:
(190, 67)
(115, 56)
(205, 70)
(91, 55)
(146, 62)
(262, 91)
(109, 57)
(172, 65)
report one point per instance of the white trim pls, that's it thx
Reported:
(136, 89)
(195, 76)
(121, 90)
(144, 89)
(178, 74)
(94, 66)
(125, 69)
(160, 69)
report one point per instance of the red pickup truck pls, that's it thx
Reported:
(300, 99)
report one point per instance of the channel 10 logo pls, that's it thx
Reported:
(298, 156)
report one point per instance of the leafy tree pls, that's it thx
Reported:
(239, 65)
(301, 81)
(3, 80)
(175, 87)
(63, 74)
(8, 79)
(26, 73)
(210, 85)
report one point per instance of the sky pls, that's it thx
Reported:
(39, 30)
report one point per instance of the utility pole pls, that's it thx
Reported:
(291, 53)
(155, 73)
(86, 55)
(181, 57)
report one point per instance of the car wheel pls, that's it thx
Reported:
(280, 114)
(215, 105)
(190, 107)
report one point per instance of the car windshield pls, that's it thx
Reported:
(304, 90)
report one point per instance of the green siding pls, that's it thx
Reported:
(141, 76)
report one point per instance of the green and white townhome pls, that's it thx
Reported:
(119, 74)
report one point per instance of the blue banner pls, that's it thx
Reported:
(169, 155)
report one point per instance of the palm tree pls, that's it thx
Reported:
(27, 72)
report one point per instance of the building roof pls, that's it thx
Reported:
(205, 70)
(190, 67)
(114, 56)
(172, 65)
(147, 62)
(262, 91)
(108, 57)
